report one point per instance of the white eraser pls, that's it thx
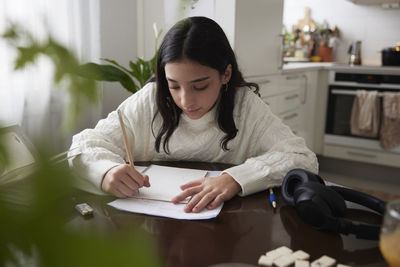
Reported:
(265, 261)
(301, 255)
(324, 261)
(301, 263)
(284, 260)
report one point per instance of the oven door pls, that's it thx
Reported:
(337, 128)
(340, 104)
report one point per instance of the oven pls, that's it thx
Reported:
(338, 140)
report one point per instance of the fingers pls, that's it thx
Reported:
(201, 194)
(135, 175)
(192, 184)
(124, 181)
(146, 180)
(199, 202)
(208, 193)
(216, 202)
(186, 193)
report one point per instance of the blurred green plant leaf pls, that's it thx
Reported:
(34, 211)
(4, 161)
(131, 79)
(108, 73)
(34, 231)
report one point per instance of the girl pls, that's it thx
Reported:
(198, 109)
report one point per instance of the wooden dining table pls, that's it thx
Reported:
(246, 228)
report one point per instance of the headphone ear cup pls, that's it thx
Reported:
(293, 179)
(310, 207)
(331, 198)
(318, 206)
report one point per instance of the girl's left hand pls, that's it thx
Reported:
(208, 192)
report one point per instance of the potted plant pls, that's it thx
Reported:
(132, 78)
(327, 39)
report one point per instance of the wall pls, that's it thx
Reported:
(375, 26)
(118, 29)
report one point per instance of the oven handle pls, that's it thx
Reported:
(348, 92)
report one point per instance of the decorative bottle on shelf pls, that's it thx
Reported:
(355, 53)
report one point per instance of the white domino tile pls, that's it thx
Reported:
(284, 260)
(276, 253)
(284, 250)
(301, 263)
(285, 257)
(265, 261)
(301, 255)
(324, 261)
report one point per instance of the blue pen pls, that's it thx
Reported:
(272, 198)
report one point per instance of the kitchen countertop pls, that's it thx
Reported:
(294, 67)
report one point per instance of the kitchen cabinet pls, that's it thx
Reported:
(253, 28)
(292, 97)
(254, 32)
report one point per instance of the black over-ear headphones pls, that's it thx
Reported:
(321, 205)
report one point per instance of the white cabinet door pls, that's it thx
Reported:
(253, 28)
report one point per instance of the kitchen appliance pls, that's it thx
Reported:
(338, 140)
(391, 56)
(355, 53)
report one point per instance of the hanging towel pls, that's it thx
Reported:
(390, 129)
(365, 114)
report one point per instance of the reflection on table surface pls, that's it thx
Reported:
(246, 228)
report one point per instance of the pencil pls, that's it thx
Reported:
(272, 199)
(127, 149)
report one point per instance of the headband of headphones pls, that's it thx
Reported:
(322, 206)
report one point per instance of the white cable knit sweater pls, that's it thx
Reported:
(264, 149)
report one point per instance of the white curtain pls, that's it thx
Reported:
(27, 97)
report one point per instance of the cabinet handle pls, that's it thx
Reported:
(365, 155)
(289, 97)
(305, 88)
(290, 116)
(292, 77)
(263, 81)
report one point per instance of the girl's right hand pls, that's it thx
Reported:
(123, 181)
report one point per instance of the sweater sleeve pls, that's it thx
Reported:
(274, 150)
(101, 148)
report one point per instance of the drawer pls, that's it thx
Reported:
(292, 82)
(283, 103)
(289, 101)
(362, 155)
(269, 85)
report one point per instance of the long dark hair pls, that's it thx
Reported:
(202, 40)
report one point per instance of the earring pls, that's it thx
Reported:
(226, 88)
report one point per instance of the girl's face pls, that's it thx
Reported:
(194, 87)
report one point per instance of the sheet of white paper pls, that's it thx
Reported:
(141, 168)
(211, 174)
(165, 182)
(162, 209)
